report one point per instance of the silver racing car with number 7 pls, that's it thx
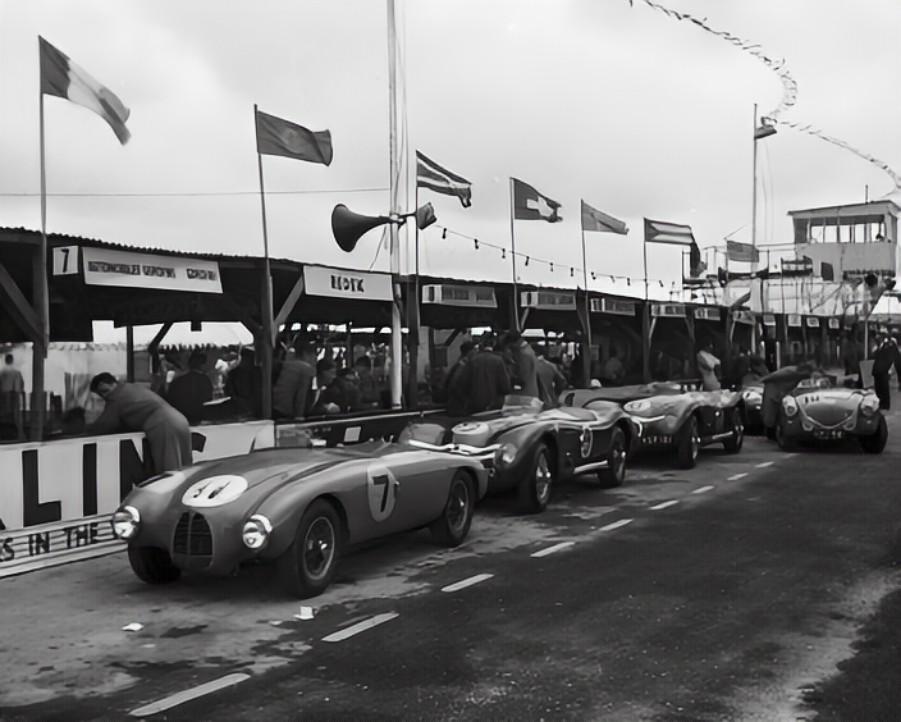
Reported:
(295, 507)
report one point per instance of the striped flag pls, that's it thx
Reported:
(530, 205)
(742, 252)
(439, 179)
(595, 220)
(663, 232)
(280, 137)
(64, 79)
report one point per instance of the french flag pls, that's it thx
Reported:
(63, 78)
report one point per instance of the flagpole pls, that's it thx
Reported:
(586, 355)
(646, 318)
(513, 261)
(41, 301)
(394, 170)
(413, 320)
(266, 311)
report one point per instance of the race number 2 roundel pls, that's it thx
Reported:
(381, 486)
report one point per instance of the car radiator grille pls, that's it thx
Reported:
(193, 538)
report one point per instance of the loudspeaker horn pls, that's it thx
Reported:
(348, 227)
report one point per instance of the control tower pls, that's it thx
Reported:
(849, 241)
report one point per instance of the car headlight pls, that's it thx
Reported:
(869, 405)
(789, 406)
(634, 407)
(506, 454)
(256, 531)
(585, 439)
(125, 522)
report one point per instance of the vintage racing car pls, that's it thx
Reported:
(531, 450)
(818, 409)
(296, 507)
(674, 415)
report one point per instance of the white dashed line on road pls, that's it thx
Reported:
(187, 695)
(703, 489)
(463, 583)
(736, 477)
(361, 627)
(665, 505)
(551, 550)
(616, 524)
(765, 464)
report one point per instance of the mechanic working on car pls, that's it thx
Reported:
(775, 386)
(130, 407)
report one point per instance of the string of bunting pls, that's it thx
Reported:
(529, 258)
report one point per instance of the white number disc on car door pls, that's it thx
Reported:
(381, 488)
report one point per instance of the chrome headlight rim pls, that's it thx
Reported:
(506, 454)
(789, 406)
(256, 532)
(869, 406)
(125, 522)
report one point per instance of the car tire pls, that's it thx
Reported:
(308, 565)
(733, 444)
(615, 473)
(152, 565)
(785, 442)
(688, 444)
(535, 488)
(875, 443)
(451, 528)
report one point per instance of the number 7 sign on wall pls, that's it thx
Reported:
(65, 260)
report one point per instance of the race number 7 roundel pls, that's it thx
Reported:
(381, 487)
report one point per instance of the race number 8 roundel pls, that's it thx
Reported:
(381, 487)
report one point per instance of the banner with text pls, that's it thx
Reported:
(342, 283)
(105, 267)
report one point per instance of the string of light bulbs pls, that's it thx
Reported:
(529, 258)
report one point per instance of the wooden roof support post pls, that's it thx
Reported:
(585, 324)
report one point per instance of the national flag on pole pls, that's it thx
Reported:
(439, 179)
(64, 79)
(663, 232)
(742, 252)
(595, 220)
(530, 205)
(280, 137)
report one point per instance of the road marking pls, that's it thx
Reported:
(703, 489)
(736, 477)
(174, 700)
(616, 524)
(360, 627)
(765, 464)
(551, 550)
(665, 505)
(463, 583)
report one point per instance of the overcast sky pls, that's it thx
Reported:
(611, 101)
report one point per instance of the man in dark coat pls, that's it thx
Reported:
(130, 407)
(485, 380)
(454, 395)
(189, 392)
(885, 356)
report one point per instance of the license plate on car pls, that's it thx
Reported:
(831, 434)
(655, 439)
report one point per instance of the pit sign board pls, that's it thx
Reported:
(447, 294)
(106, 267)
(343, 283)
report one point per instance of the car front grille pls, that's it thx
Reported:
(193, 538)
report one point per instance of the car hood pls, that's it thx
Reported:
(217, 483)
(829, 407)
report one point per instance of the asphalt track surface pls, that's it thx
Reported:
(744, 589)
